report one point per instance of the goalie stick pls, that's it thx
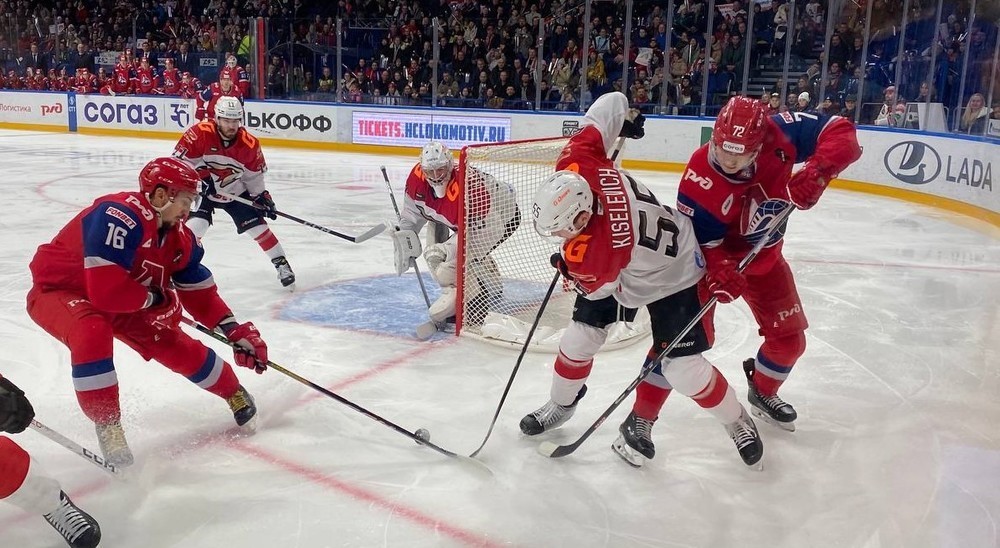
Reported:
(427, 329)
(552, 450)
(527, 341)
(87, 454)
(419, 439)
(370, 233)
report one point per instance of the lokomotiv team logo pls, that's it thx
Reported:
(913, 162)
(757, 217)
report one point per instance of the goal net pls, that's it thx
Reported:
(503, 268)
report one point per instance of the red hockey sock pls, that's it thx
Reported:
(649, 398)
(14, 462)
(712, 394)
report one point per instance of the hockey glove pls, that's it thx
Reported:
(164, 310)
(406, 248)
(806, 186)
(569, 281)
(250, 350)
(266, 205)
(633, 126)
(16, 412)
(725, 282)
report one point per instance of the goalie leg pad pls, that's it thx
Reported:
(444, 307)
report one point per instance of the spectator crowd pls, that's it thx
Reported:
(526, 54)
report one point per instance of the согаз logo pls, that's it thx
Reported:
(913, 162)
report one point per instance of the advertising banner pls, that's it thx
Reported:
(415, 129)
(34, 108)
(296, 121)
(154, 114)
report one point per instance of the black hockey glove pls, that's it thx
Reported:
(570, 281)
(266, 205)
(633, 126)
(208, 186)
(15, 410)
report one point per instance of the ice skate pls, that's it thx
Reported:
(244, 410)
(744, 434)
(634, 444)
(285, 274)
(770, 409)
(76, 526)
(114, 446)
(549, 416)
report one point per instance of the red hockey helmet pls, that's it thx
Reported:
(173, 174)
(226, 73)
(740, 127)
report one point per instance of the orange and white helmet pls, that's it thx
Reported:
(437, 164)
(559, 200)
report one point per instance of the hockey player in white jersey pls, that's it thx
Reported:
(620, 245)
(433, 194)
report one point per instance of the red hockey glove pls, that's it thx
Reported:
(266, 205)
(165, 310)
(806, 186)
(250, 350)
(725, 282)
(16, 412)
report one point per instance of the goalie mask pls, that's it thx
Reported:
(559, 200)
(437, 164)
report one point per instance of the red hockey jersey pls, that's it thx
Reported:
(112, 251)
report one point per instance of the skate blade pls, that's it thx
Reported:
(631, 457)
(789, 426)
(757, 466)
(290, 288)
(247, 429)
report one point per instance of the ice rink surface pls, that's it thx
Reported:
(898, 394)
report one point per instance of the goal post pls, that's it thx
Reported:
(503, 265)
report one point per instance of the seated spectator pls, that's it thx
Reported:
(973, 121)
(886, 112)
(995, 115)
(567, 101)
(829, 106)
(850, 107)
(326, 81)
(926, 94)
(774, 104)
(803, 102)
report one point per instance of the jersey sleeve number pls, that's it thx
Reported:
(651, 233)
(116, 236)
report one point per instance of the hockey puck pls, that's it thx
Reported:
(422, 435)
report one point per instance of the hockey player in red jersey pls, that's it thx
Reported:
(25, 484)
(123, 269)
(240, 77)
(171, 78)
(432, 194)
(210, 95)
(84, 81)
(231, 162)
(146, 80)
(621, 246)
(190, 87)
(122, 79)
(733, 187)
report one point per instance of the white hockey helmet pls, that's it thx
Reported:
(437, 164)
(558, 202)
(229, 108)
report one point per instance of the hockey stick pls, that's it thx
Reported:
(87, 454)
(427, 329)
(618, 147)
(370, 233)
(552, 450)
(421, 436)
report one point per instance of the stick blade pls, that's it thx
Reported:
(371, 233)
(553, 451)
(426, 330)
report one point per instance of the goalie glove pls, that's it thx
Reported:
(406, 247)
(441, 263)
(633, 126)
